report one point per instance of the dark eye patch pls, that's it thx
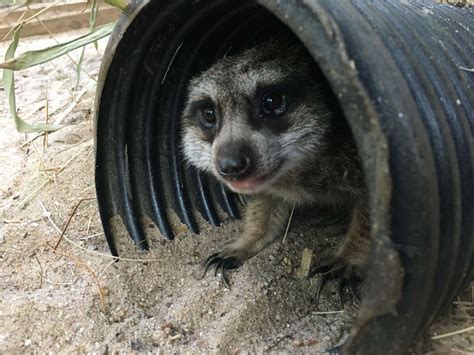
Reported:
(290, 91)
(204, 115)
(195, 106)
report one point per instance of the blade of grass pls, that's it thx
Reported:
(92, 21)
(93, 18)
(32, 58)
(9, 85)
(79, 68)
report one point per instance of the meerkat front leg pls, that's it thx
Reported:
(265, 221)
(349, 261)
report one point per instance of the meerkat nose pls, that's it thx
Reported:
(233, 166)
(233, 162)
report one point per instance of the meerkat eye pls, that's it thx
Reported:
(273, 104)
(208, 115)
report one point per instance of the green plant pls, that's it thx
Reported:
(37, 57)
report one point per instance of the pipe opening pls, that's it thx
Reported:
(394, 113)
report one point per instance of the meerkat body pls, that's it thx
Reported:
(264, 125)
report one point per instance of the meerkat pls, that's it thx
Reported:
(265, 125)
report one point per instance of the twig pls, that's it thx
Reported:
(13, 27)
(104, 255)
(92, 236)
(460, 331)
(57, 283)
(459, 351)
(41, 271)
(67, 55)
(47, 214)
(85, 266)
(87, 189)
(278, 341)
(32, 139)
(48, 179)
(63, 78)
(327, 312)
(89, 225)
(110, 256)
(305, 264)
(288, 225)
(42, 11)
(105, 268)
(70, 219)
(20, 223)
(35, 191)
(46, 110)
(71, 107)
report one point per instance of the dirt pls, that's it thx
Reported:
(75, 298)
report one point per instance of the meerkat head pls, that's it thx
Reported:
(256, 118)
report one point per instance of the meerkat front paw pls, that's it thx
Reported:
(226, 259)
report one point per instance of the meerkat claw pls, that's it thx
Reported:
(332, 269)
(336, 268)
(221, 264)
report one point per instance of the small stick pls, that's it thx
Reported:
(303, 271)
(288, 225)
(104, 255)
(48, 179)
(46, 110)
(41, 11)
(31, 140)
(70, 219)
(92, 236)
(327, 312)
(67, 54)
(48, 216)
(85, 266)
(89, 225)
(460, 331)
(41, 271)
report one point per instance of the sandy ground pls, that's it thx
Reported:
(76, 299)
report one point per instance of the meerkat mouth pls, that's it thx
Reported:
(255, 184)
(250, 185)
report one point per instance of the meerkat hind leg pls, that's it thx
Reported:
(265, 220)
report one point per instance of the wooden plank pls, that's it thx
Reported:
(62, 22)
(9, 16)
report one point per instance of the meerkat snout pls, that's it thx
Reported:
(234, 160)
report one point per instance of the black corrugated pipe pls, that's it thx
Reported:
(402, 72)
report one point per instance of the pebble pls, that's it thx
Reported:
(298, 342)
(42, 307)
